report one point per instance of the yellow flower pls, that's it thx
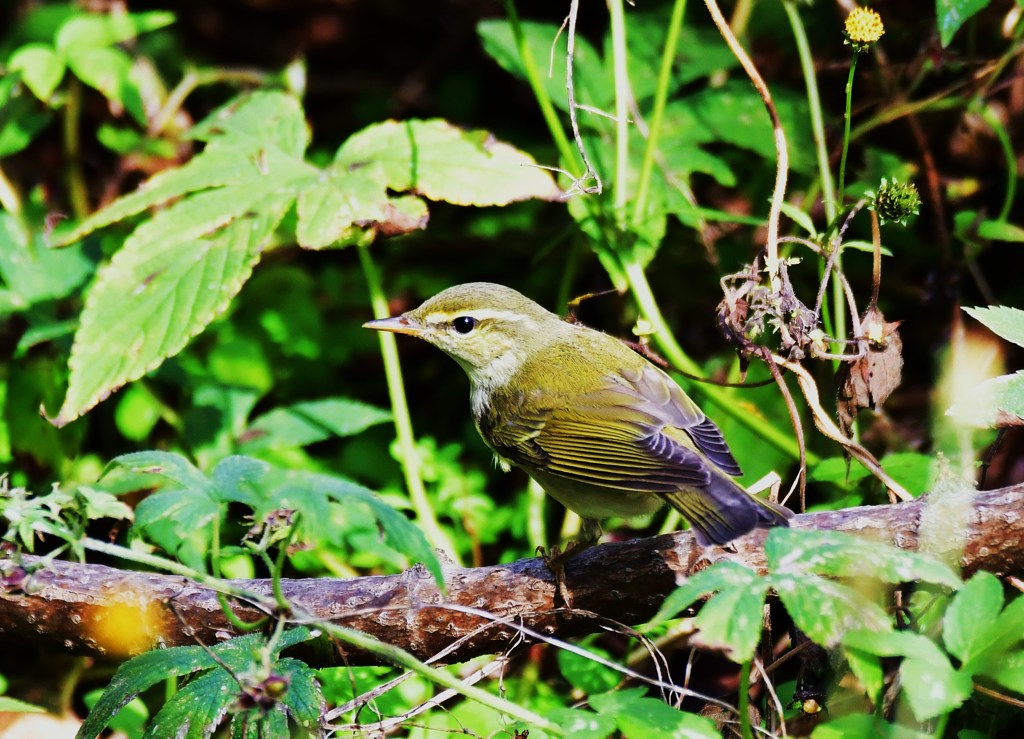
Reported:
(864, 27)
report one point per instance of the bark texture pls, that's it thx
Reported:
(104, 611)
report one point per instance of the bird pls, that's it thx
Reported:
(599, 427)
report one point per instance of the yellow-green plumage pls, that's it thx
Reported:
(601, 429)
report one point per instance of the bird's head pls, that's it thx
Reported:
(489, 329)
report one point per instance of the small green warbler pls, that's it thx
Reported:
(600, 428)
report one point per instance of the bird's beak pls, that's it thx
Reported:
(398, 325)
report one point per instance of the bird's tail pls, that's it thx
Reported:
(723, 511)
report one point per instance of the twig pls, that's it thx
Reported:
(578, 184)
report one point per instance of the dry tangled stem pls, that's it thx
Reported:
(66, 604)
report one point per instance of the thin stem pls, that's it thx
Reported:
(533, 77)
(536, 531)
(1010, 159)
(743, 702)
(667, 344)
(781, 151)
(77, 190)
(828, 194)
(622, 96)
(408, 454)
(10, 201)
(401, 658)
(675, 24)
(846, 127)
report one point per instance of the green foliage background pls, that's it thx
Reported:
(282, 209)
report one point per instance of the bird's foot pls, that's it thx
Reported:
(556, 559)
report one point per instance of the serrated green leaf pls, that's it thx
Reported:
(172, 467)
(304, 698)
(718, 577)
(399, 533)
(241, 654)
(952, 14)
(256, 144)
(197, 708)
(826, 609)
(139, 674)
(257, 724)
(839, 554)
(147, 304)
(309, 422)
(41, 68)
(969, 624)
(1001, 320)
(443, 162)
(338, 199)
(101, 504)
(639, 716)
(732, 620)
(235, 479)
(932, 689)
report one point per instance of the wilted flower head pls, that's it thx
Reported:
(895, 201)
(863, 28)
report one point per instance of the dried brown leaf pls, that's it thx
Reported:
(868, 381)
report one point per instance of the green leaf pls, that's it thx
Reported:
(106, 70)
(152, 298)
(13, 705)
(896, 644)
(20, 116)
(592, 82)
(235, 479)
(931, 684)
(399, 533)
(860, 725)
(142, 672)
(582, 724)
(1001, 320)
(309, 422)
(732, 620)
(1000, 231)
(34, 272)
(586, 674)
(639, 716)
(94, 30)
(172, 467)
(867, 668)
(840, 554)
(443, 162)
(825, 609)
(338, 199)
(952, 14)
(197, 708)
(933, 689)
(304, 697)
(101, 504)
(969, 624)
(41, 68)
(721, 576)
(994, 403)
(1008, 671)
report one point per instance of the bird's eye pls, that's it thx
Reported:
(464, 324)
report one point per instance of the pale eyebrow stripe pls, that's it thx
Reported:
(479, 314)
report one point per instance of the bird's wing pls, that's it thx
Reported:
(635, 432)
